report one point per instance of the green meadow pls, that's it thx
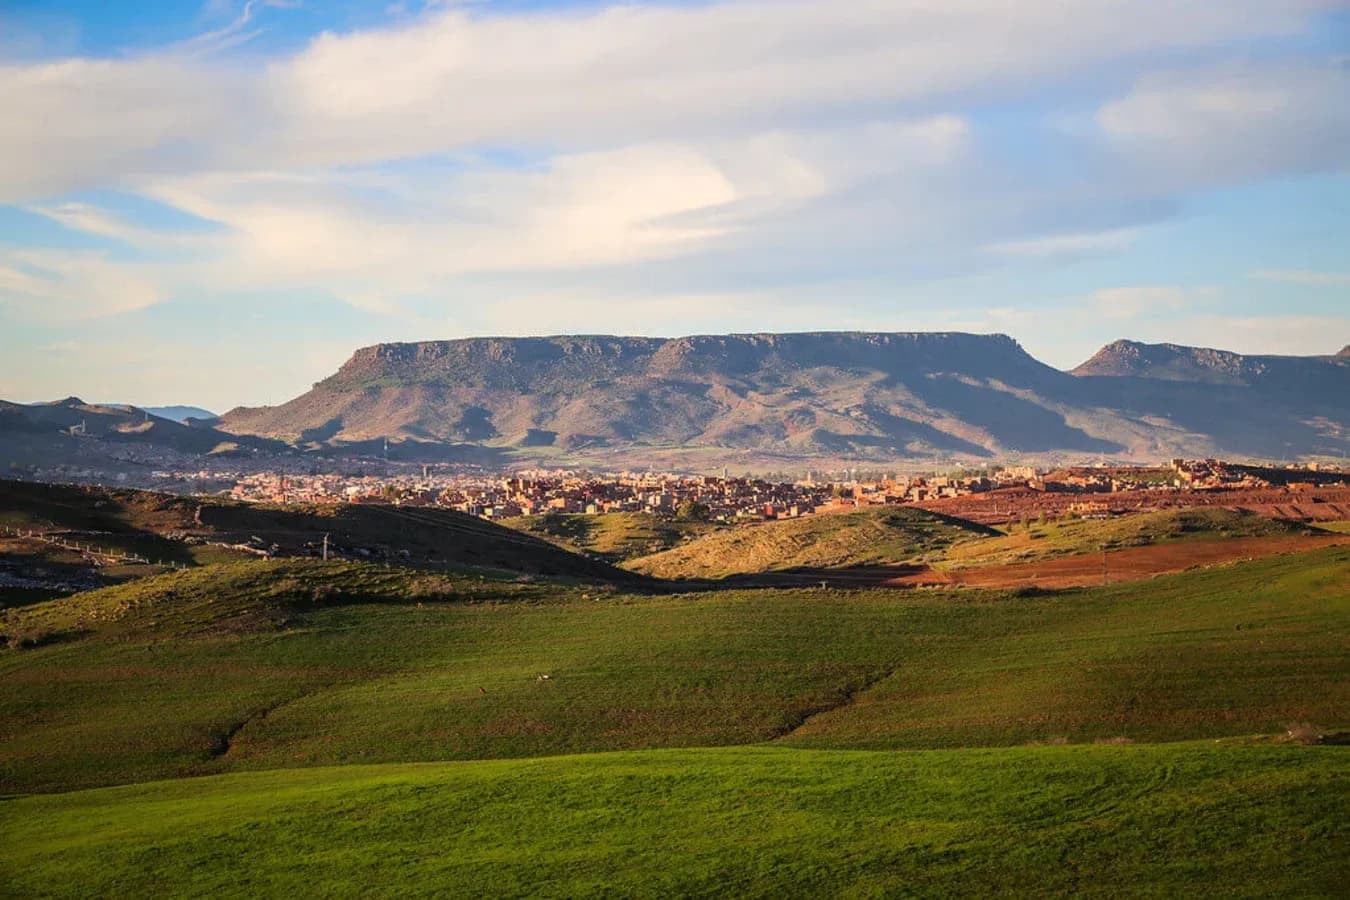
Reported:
(1191, 819)
(269, 727)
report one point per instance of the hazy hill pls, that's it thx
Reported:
(181, 413)
(41, 431)
(840, 394)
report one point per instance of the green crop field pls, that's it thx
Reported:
(1168, 820)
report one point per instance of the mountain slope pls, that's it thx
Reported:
(53, 429)
(844, 394)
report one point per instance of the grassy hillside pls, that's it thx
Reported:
(865, 537)
(254, 672)
(172, 529)
(615, 537)
(1173, 820)
(1071, 537)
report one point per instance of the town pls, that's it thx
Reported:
(740, 499)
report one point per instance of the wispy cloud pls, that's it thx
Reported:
(1060, 245)
(1304, 276)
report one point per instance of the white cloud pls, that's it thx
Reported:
(54, 285)
(1199, 127)
(1067, 244)
(606, 77)
(1126, 303)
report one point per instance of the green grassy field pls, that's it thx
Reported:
(615, 537)
(1170, 820)
(865, 537)
(247, 668)
(1071, 537)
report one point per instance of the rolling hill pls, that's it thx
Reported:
(614, 537)
(1075, 536)
(831, 394)
(174, 529)
(42, 433)
(884, 536)
(281, 664)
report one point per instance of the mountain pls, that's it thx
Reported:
(1172, 362)
(45, 432)
(831, 394)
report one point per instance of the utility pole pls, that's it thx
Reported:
(325, 548)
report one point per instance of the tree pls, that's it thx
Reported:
(693, 511)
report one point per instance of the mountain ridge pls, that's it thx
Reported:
(867, 395)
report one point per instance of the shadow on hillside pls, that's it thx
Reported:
(1014, 423)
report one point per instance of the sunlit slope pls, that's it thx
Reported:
(1172, 820)
(613, 536)
(372, 671)
(1054, 539)
(882, 536)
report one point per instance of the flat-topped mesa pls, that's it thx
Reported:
(846, 394)
(515, 361)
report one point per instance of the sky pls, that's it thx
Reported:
(216, 203)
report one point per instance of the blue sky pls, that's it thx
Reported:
(215, 203)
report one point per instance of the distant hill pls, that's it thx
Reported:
(1172, 362)
(181, 413)
(886, 536)
(154, 524)
(878, 396)
(43, 431)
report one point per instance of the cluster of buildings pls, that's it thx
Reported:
(722, 499)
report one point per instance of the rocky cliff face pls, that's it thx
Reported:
(869, 395)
